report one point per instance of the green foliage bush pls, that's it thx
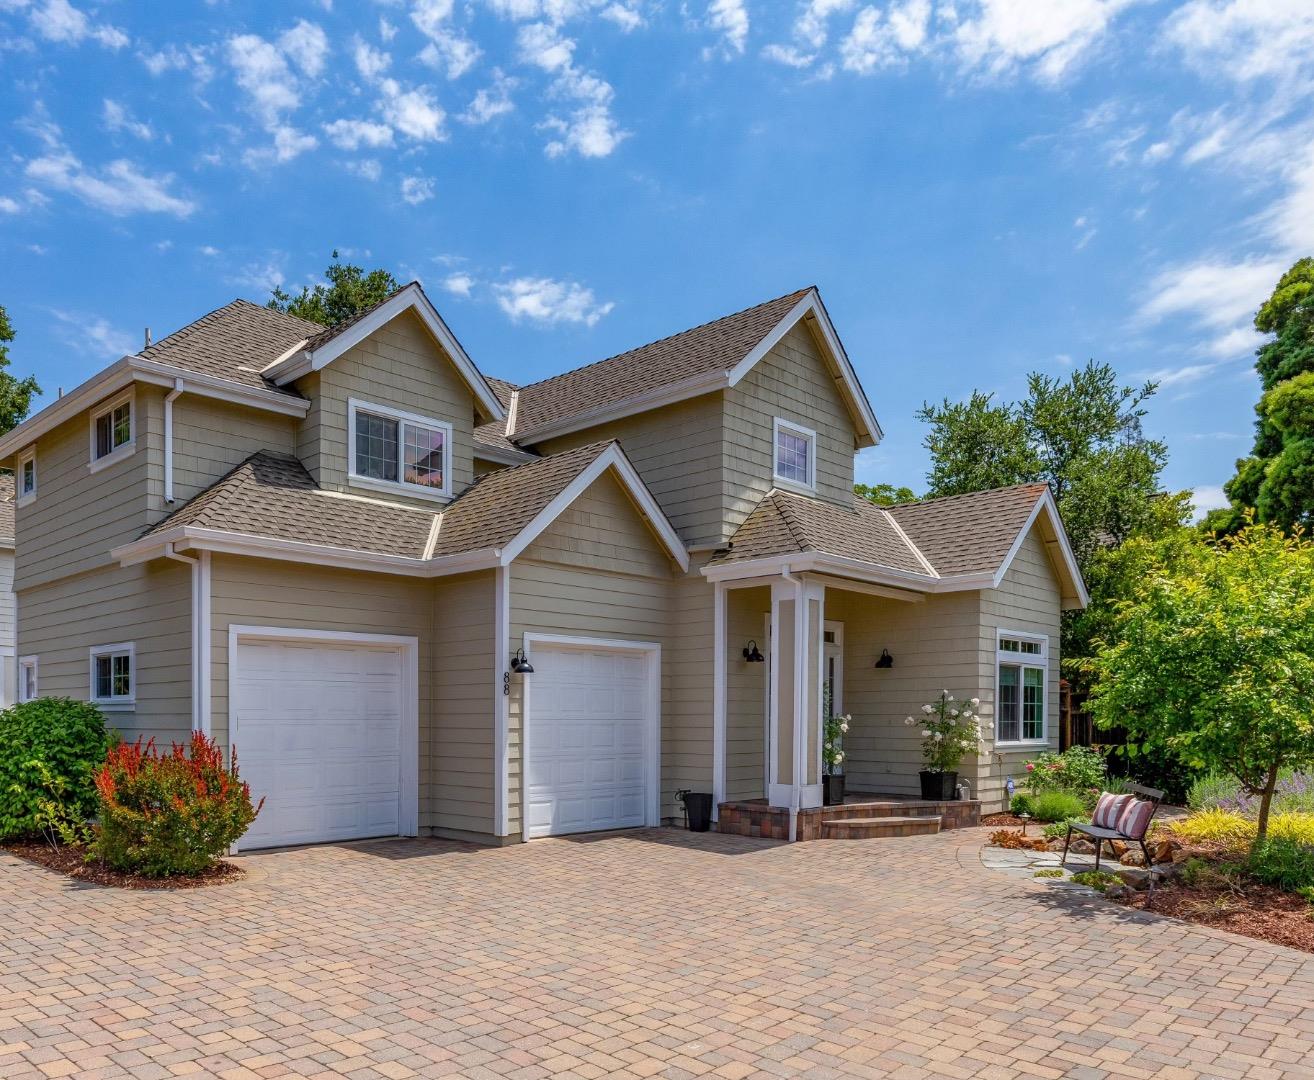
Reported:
(1057, 830)
(1213, 791)
(1021, 804)
(1096, 879)
(1287, 864)
(49, 741)
(1058, 806)
(1079, 771)
(175, 813)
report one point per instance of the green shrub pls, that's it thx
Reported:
(1216, 826)
(1096, 879)
(175, 813)
(1057, 830)
(1213, 792)
(1021, 804)
(1058, 806)
(69, 739)
(1287, 864)
(1079, 770)
(1050, 872)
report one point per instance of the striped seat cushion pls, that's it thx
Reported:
(1109, 809)
(1135, 818)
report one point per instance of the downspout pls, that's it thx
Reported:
(795, 788)
(200, 565)
(169, 399)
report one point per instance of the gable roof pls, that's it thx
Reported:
(715, 355)
(937, 545)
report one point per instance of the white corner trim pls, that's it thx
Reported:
(169, 399)
(512, 410)
(613, 457)
(719, 683)
(1046, 505)
(408, 816)
(502, 707)
(911, 546)
(410, 298)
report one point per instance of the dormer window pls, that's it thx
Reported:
(795, 455)
(398, 451)
(113, 431)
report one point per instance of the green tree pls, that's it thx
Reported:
(15, 394)
(1213, 659)
(884, 494)
(1276, 480)
(350, 289)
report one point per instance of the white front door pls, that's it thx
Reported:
(590, 733)
(317, 729)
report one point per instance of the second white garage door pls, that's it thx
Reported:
(318, 732)
(591, 735)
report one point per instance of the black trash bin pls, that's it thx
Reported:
(698, 810)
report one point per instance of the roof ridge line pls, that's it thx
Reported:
(799, 538)
(908, 540)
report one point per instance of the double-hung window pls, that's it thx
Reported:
(399, 451)
(26, 482)
(795, 455)
(113, 680)
(113, 431)
(1022, 674)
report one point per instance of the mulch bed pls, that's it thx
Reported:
(1259, 911)
(1006, 818)
(70, 862)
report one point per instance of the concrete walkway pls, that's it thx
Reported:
(652, 953)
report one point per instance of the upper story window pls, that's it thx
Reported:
(113, 431)
(1022, 664)
(26, 481)
(395, 450)
(112, 676)
(795, 455)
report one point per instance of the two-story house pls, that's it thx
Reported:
(416, 599)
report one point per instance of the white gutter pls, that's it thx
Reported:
(200, 565)
(169, 399)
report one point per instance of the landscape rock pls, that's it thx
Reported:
(1135, 878)
(1132, 857)
(1119, 848)
(1117, 892)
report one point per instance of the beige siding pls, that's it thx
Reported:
(149, 605)
(935, 647)
(747, 613)
(483, 467)
(688, 689)
(400, 366)
(8, 617)
(1026, 600)
(211, 437)
(77, 515)
(791, 382)
(677, 451)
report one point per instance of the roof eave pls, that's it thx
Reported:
(501, 454)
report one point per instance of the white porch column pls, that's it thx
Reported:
(719, 690)
(797, 624)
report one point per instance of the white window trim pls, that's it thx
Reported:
(778, 425)
(21, 499)
(95, 464)
(414, 491)
(25, 662)
(114, 704)
(1039, 661)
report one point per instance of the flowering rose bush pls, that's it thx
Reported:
(832, 746)
(949, 732)
(1078, 771)
(174, 813)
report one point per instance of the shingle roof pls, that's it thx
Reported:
(328, 333)
(714, 346)
(6, 506)
(493, 511)
(234, 342)
(502, 389)
(273, 496)
(784, 523)
(494, 434)
(963, 534)
(960, 534)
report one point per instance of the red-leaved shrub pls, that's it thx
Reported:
(173, 813)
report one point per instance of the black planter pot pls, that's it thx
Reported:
(832, 790)
(698, 808)
(939, 786)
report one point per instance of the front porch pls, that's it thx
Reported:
(863, 815)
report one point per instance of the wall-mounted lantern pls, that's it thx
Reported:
(885, 660)
(752, 654)
(520, 665)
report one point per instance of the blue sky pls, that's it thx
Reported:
(981, 188)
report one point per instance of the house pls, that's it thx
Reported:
(421, 600)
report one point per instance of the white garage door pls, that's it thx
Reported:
(318, 736)
(591, 712)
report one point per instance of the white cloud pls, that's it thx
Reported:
(1218, 294)
(262, 71)
(1247, 39)
(306, 45)
(875, 42)
(208, 250)
(587, 129)
(93, 335)
(548, 302)
(414, 113)
(386, 30)
(492, 101)
(353, 134)
(459, 284)
(1208, 497)
(1047, 38)
(59, 21)
(174, 58)
(121, 188)
(261, 276)
(543, 46)
(448, 49)
(366, 169)
(1086, 230)
(730, 17)
(288, 143)
(370, 62)
(116, 117)
(627, 18)
(9, 205)
(416, 189)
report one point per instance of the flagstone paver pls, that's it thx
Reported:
(653, 953)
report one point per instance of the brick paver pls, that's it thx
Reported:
(652, 953)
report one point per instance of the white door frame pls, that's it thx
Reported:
(408, 808)
(652, 652)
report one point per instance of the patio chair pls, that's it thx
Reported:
(1100, 834)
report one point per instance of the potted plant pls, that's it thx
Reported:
(949, 733)
(832, 756)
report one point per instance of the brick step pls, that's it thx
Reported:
(865, 828)
(889, 810)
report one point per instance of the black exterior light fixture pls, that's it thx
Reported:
(885, 660)
(519, 665)
(751, 653)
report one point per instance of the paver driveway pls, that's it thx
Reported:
(644, 954)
